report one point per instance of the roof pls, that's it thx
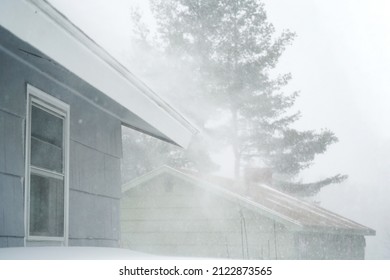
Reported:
(42, 27)
(296, 214)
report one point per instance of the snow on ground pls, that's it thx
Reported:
(74, 253)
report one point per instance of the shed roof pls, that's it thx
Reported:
(297, 214)
(41, 26)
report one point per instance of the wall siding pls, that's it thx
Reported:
(11, 162)
(171, 217)
(11, 206)
(330, 246)
(12, 83)
(12, 144)
(95, 152)
(174, 218)
(11, 241)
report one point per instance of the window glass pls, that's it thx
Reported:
(46, 206)
(46, 140)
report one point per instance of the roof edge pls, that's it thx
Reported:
(211, 187)
(91, 44)
(294, 225)
(88, 60)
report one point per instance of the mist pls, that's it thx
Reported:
(339, 63)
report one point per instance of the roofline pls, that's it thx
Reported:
(212, 187)
(75, 31)
(119, 82)
(293, 225)
(365, 230)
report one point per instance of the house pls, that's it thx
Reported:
(178, 212)
(63, 101)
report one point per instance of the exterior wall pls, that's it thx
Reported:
(95, 152)
(12, 122)
(330, 246)
(170, 217)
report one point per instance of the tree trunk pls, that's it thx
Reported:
(235, 144)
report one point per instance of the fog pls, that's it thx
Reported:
(340, 63)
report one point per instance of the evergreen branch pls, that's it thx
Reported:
(307, 189)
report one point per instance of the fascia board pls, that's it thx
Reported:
(43, 27)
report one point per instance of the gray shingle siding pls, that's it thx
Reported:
(95, 152)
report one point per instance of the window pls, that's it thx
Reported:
(46, 167)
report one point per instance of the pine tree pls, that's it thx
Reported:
(176, 81)
(235, 50)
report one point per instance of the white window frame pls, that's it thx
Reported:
(57, 108)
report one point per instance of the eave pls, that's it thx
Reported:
(40, 25)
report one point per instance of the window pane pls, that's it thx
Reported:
(45, 155)
(46, 140)
(46, 206)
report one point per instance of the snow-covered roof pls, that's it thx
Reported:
(295, 213)
(41, 26)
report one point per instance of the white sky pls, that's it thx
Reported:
(340, 63)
